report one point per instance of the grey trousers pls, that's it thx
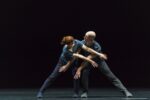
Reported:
(105, 70)
(53, 76)
(83, 80)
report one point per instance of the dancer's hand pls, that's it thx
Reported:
(103, 56)
(63, 68)
(77, 75)
(94, 64)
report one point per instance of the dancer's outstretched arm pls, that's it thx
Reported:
(76, 55)
(101, 55)
(86, 59)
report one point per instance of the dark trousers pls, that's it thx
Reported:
(52, 77)
(105, 70)
(83, 81)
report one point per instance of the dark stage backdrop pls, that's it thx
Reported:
(31, 32)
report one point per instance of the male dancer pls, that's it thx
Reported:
(89, 41)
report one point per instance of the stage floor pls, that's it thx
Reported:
(66, 94)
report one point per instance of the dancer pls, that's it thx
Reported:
(89, 41)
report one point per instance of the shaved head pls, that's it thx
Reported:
(91, 34)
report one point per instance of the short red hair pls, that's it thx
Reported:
(67, 39)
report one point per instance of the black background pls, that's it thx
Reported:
(31, 32)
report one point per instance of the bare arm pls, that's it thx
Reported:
(101, 55)
(86, 59)
(83, 65)
(65, 67)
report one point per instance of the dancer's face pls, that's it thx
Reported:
(89, 40)
(69, 45)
